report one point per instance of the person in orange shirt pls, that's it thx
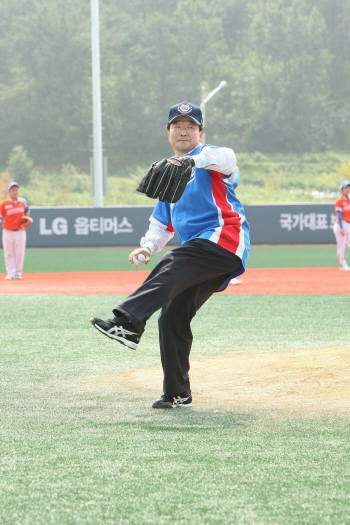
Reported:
(342, 224)
(12, 211)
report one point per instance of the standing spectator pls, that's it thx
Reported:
(342, 224)
(234, 179)
(14, 214)
(214, 234)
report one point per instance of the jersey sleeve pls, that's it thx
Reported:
(339, 204)
(162, 214)
(339, 211)
(340, 219)
(26, 209)
(222, 160)
(160, 230)
(236, 178)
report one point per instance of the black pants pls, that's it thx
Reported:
(180, 283)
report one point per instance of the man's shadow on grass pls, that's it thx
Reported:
(189, 420)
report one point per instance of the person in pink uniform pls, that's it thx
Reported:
(342, 224)
(12, 211)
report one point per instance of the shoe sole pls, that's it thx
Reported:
(121, 340)
(172, 406)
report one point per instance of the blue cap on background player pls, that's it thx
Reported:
(186, 109)
(14, 183)
(344, 184)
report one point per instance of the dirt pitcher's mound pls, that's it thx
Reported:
(299, 380)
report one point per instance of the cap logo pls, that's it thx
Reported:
(184, 108)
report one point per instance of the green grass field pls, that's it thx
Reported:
(109, 259)
(75, 454)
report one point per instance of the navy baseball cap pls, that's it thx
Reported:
(12, 184)
(186, 109)
(344, 184)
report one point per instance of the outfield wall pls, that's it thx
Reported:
(124, 225)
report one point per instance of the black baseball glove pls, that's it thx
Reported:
(167, 179)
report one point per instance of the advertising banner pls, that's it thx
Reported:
(291, 224)
(124, 226)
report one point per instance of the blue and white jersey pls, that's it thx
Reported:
(208, 209)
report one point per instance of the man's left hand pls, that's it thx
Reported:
(167, 179)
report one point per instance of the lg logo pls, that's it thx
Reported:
(59, 226)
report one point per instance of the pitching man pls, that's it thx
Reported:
(14, 213)
(197, 200)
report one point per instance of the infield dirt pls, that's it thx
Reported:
(255, 281)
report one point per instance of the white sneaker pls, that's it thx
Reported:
(235, 281)
(345, 268)
(18, 276)
(9, 277)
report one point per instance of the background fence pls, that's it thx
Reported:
(124, 226)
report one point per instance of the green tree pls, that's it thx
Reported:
(46, 98)
(19, 165)
(286, 64)
(289, 78)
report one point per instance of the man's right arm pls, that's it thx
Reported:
(157, 235)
